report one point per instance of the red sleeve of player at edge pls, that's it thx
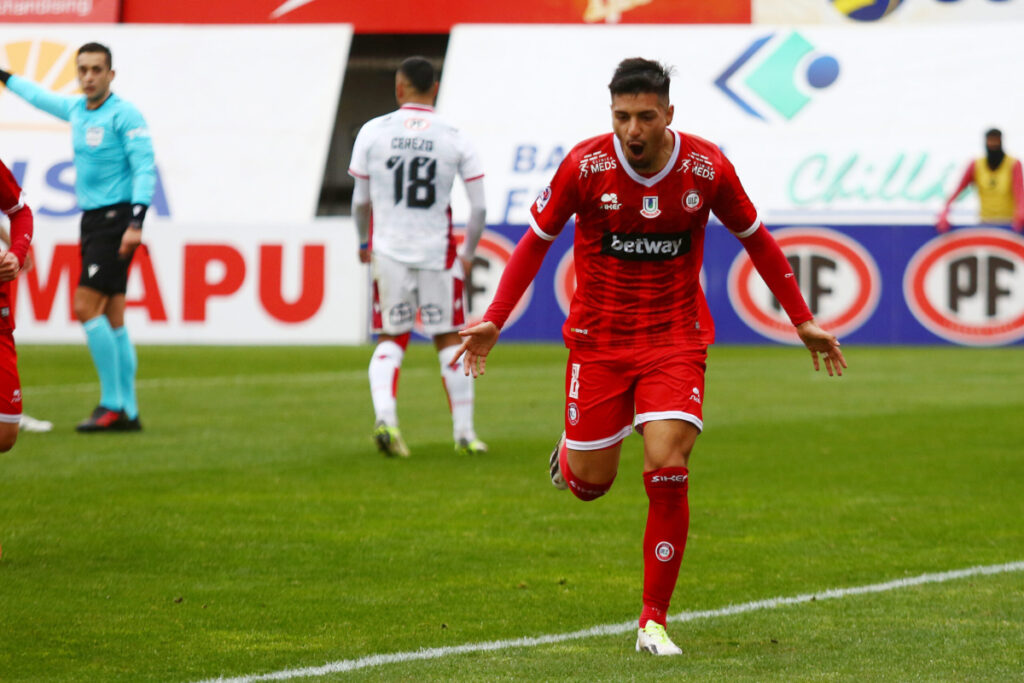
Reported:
(774, 269)
(965, 180)
(21, 233)
(1018, 197)
(18, 213)
(519, 273)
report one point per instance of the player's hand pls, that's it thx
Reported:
(467, 266)
(942, 223)
(364, 255)
(477, 342)
(818, 341)
(130, 242)
(9, 267)
(30, 262)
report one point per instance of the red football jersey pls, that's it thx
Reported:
(639, 241)
(11, 200)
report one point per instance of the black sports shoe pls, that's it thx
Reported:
(126, 424)
(101, 420)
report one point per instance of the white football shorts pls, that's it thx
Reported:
(403, 296)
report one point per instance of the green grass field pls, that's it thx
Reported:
(253, 528)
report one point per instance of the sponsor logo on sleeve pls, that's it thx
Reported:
(967, 287)
(542, 198)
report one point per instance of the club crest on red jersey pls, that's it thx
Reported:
(692, 201)
(650, 209)
(573, 413)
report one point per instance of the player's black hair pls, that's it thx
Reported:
(993, 132)
(637, 75)
(419, 72)
(96, 47)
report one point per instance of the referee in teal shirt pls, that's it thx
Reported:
(114, 186)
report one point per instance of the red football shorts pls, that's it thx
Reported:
(608, 391)
(10, 384)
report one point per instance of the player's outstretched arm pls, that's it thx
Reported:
(818, 341)
(477, 342)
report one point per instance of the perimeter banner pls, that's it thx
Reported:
(822, 123)
(60, 11)
(415, 16)
(870, 284)
(241, 132)
(867, 12)
(268, 283)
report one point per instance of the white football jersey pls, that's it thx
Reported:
(410, 158)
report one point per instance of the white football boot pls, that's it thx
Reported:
(654, 639)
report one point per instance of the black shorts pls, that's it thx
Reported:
(102, 229)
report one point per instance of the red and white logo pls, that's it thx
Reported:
(692, 201)
(968, 287)
(664, 551)
(838, 278)
(573, 413)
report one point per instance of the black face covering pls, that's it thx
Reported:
(995, 157)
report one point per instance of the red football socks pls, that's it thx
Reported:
(583, 490)
(668, 521)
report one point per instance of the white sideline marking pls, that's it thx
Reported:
(616, 629)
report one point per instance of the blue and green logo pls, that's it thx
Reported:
(770, 77)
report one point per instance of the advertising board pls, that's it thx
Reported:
(240, 131)
(413, 16)
(820, 128)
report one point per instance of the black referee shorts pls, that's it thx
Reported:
(102, 229)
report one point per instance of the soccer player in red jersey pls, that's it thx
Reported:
(638, 326)
(11, 262)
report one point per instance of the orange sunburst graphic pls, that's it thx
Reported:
(50, 64)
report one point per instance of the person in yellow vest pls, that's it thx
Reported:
(997, 177)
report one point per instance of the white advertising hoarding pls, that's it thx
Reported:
(885, 11)
(267, 283)
(866, 126)
(241, 117)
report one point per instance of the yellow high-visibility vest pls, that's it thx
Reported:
(995, 190)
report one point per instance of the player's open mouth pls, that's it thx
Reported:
(635, 148)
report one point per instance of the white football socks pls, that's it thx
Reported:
(460, 394)
(384, 367)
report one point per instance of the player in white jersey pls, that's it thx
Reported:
(404, 164)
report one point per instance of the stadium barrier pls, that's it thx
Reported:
(871, 284)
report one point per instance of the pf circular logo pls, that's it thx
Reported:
(664, 551)
(968, 287)
(492, 255)
(837, 276)
(573, 413)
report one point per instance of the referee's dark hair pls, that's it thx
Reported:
(419, 72)
(638, 75)
(96, 47)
